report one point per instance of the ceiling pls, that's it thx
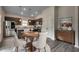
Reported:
(25, 11)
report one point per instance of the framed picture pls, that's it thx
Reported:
(64, 23)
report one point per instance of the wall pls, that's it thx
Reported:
(70, 11)
(67, 11)
(56, 15)
(1, 23)
(48, 21)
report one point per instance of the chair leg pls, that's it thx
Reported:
(45, 49)
(16, 49)
(38, 50)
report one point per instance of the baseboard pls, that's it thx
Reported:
(50, 37)
(76, 46)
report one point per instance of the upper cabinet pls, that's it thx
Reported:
(17, 20)
(35, 21)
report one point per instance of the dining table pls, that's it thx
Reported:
(30, 36)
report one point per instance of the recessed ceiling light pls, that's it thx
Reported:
(21, 13)
(36, 12)
(32, 15)
(24, 9)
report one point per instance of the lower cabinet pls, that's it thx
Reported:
(66, 36)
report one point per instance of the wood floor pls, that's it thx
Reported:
(56, 46)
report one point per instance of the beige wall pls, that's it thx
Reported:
(67, 11)
(1, 24)
(48, 21)
(76, 28)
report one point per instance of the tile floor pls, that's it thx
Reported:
(56, 46)
(59, 46)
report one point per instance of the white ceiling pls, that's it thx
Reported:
(17, 10)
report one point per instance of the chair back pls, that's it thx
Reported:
(16, 43)
(42, 39)
(15, 35)
(19, 42)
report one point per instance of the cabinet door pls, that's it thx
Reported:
(67, 36)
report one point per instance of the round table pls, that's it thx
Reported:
(31, 36)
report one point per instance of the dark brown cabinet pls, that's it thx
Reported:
(66, 36)
(16, 20)
(36, 23)
(33, 22)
